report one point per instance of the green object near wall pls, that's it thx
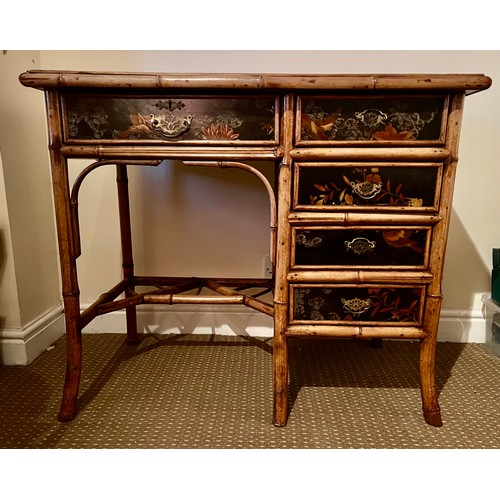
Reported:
(495, 275)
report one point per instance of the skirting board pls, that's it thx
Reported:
(21, 347)
(455, 325)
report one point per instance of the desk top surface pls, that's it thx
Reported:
(51, 79)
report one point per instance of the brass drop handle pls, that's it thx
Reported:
(356, 306)
(360, 245)
(170, 125)
(366, 189)
(371, 117)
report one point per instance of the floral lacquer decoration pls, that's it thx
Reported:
(93, 115)
(384, 302)
(192, 118)
(218, 131)
(327, 120)
(304, 239)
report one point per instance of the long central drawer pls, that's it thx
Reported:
(176, 119)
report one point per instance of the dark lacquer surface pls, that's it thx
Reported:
(357, 304)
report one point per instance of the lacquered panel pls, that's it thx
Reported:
(366, 247)
(219, 119)
(395, 119)
(361, 304)
(334, 186)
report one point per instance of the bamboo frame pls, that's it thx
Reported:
(355, 332)
(351, 219)
(44, 79)
(379, 153)
(173, 291)
(145, 152)
(286, 215)
(360, 276)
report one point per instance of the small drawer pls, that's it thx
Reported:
(235, 119)
(369, 247)
(362, 186)
(391, 120)
(367, 305)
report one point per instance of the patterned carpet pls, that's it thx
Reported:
(202, 391)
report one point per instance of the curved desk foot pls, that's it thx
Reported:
(67, 411)
(74, 353)
(63, 417)
(433, 418)
(280, 421)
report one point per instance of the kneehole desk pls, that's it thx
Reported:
(365, 168)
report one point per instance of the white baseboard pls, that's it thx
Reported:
(22, 346)
(460, 326)
(199, 319)
(455, 325)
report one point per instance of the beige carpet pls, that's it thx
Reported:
(202, 391)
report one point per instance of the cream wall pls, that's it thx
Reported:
(9, 299)
(190, 221)
(29, 299)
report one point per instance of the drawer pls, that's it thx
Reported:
(367, 305)
(392, 120)
(369, 247)
(362, 186)
(173, 118)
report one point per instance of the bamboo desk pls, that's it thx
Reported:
(365, 171)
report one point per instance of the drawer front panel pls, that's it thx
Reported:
(398, 120)
(358, 186)
(357, 304)
(367, 247)
(160, 118)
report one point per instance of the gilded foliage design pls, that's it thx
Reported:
(93, 116)
(363, 186)
(397, 120)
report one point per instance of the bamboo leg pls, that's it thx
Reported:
(126, 243)
(280, 341)
(69, 250)
(67, 410)
(281, 291)
(432, 413)
(280, 366)
(68, 253)
(430, 405)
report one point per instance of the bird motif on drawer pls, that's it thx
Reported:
(139, 125)
(401, 239)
